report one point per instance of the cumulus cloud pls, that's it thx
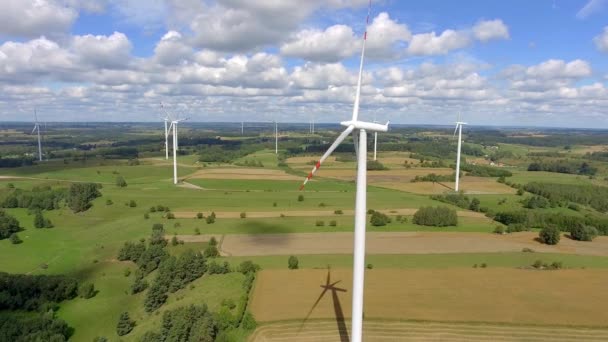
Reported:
(431, 44)
(33, 18)
(557, 68)
(103, 51)
(601, 41)
(490, 30)
(334, 44)
(172, 49)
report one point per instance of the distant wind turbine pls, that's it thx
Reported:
(354, 126)
(276, 137)
(37, 130)
(174, 121)
(458, 128)
(166, 119)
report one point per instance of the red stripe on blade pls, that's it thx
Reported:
(318, 165)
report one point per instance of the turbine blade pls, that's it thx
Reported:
(356, 143)
(35, 127)
(455, 129)
(333, 146)
(358, 93)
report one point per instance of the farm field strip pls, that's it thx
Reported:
(492, 295)
(399, 243)
(425, 331)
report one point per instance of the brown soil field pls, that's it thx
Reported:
(399, 243)
(590, 149)
(393, 175)
(470, 185)
(313, 213)
(385, 330)
(493, 295)
(242, 173)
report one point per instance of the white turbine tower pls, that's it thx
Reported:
(37, 130)
(354, 126)
(458, 128)
(276, 138)
(174, 121)
(167, 128)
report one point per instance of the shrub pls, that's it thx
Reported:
(333, 223)
(211, 218)
(127, 272)
(338, 212)
(292, 263)
(527, 250)
(483, 265)
(170, 216)
(132, 204)
(125, 324)
(370, 266)
(199, 216)
(583, 233)
(213, 241)
(300, 198)
(556, 265)
(248, 322)
(379, 219)
(197, 231)
(374, 165)
(549, 235)
(538, 264)
(146, 216)
(499, 230)
(475, 203)
(248, 266)
(211, 252)
(274, 204)
(120, 182)
(320, 223)
(174, 241)
(436, 216)
(87, 291)
(109, 202)
(520, 192)
(243, 215)
(14, 239)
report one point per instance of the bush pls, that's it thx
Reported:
(248, 266)
(499, 230)
(170, 216)
(132, 204)
(333, 223)
(300, 198)
(320, 223)
(211, 252)
(379, 219)
(338, 212)
(292, 263)
(109, 202)
(248, 322)
(174, 241)
(120, 182)
(213, 241)
(199, 216)
(583, 233)
(125, 324)
(146, 216)
(374, 165)
(549, 235)
(87, 291)
(243, 215)
(197, 231)
(211, 218)
(527, 250)
(436, 216)
(14, 239)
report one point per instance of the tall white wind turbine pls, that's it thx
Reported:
(458, 128)
(354, 126)
(37, 130)
(276, 137)
(174, 121)
(167, 131)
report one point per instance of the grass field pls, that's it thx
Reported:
(459, 295)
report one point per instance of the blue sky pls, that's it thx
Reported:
(542, 62)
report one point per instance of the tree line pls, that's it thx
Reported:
(39, 198)
(563, 166)
(30, 292)
(560, 194)
(485, 171)
(436, 216)
(518, 220)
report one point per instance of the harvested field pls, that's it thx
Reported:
(393, 175)
(470, 185)
(401, 243)
(384, 330)
(314, 213)
(243, 173)
(491, 295)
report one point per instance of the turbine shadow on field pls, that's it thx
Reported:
(265, 233)
(340, 322)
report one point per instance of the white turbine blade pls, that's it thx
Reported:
(167, 115)
(356, 142)
(333, 146)
(455, 129)
(358, 93)
(35, 127)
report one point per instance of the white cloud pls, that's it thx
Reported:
(103, 51)
(334, 44)
(172, 49)
(601, 41)
(32, 18)
(490, 30)
(322, 76)
(590, 8)
(557, 68)
(431, 44)
(32, 60)
(385, 35)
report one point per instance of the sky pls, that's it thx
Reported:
(516, 63)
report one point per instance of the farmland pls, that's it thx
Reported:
(420, 278)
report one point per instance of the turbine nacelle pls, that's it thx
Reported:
(368, 126)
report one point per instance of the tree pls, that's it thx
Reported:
(15, 240)
(213, 241)
(583, 233)
(199, 216)
(125, 324)
(211, 252)
(549, 235)
(80, 196)
(38, 219)
(87, 291)
(292, 263)
(174, 241)
(379, 219)
(475, 204)
(120, 182)
(248, 266)
(248, 322)
(436, 216)
(8, 225)
(300, 198)
(132, 204)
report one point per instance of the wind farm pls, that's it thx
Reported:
(227, 171)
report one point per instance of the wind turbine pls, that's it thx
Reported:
(276, 137)
(174, 121)
(353, 126)
(37, 130)
(166, 119)
(458, 128)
